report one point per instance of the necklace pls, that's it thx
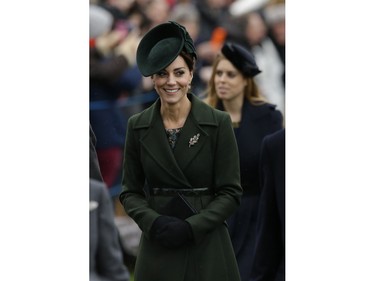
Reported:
(236, 124)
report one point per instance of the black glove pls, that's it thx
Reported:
(158, 224)
(171, 232)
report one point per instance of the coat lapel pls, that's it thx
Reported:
(156, 144)
(155, 141)
(199, 117)
(190, 142)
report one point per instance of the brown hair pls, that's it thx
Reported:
(189, 59)
(251, 90)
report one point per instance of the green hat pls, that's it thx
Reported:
(161, 45)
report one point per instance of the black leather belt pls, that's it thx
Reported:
(183, 191)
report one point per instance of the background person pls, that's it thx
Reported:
(106, 256)
(232, 88)
(269, 259)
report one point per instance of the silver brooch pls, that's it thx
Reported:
(194, 140)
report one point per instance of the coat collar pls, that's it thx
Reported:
(251, 111)
(174, 162)
(256, 111)
(202, 114)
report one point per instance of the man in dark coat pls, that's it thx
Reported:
(269, 259)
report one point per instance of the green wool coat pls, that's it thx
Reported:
(213, 162)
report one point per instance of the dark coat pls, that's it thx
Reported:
(269, 259)
(212, 162)
(257, 122)
(95, 172)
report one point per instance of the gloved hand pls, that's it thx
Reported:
(158, 224)
(171, 232)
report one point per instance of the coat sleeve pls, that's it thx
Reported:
(227, 182)
(133, 197)
(95, 172)
(278, 118)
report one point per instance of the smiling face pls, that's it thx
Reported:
(229, 82)
(172, 83)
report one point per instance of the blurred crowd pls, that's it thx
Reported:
(118, 90)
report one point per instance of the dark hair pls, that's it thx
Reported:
(189, 59)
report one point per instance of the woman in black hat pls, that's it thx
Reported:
(233, 89)
(181, 176)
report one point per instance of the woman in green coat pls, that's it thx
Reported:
(181, 177)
